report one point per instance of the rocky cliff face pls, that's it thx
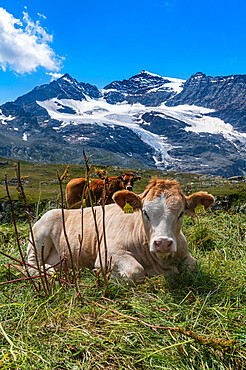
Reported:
(226, 95)
(147, 120)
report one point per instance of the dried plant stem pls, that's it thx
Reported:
(96, 229)
(216, 344)
(104, 225)
(5, 295)
(105, 239)
(72, 285)
(14, 259)
(20, 279)
(45, 274)
(87, 177)
(66, 237)
(133, 318)
(23, 196)
(16, 232)
(107, 266)
(16, 268)
(28, 264)
(81, 237)
(14, 221)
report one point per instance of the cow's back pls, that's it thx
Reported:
(122, 231)
(74, 191)
(97, 188)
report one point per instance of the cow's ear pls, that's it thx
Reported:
(122, 197)
(120, 178)
(136, 178)
(196, 199)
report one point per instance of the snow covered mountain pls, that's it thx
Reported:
(147, 120)
(145, 88)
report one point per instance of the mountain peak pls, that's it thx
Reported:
(198, 75)
(145, 88)
(147, 74)
(66, 77)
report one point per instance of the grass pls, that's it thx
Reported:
(117, 332)
(43, 185)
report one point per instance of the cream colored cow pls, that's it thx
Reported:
(146, 242)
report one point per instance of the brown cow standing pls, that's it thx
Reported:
(146, 242)
(75, 188)
(97, 188)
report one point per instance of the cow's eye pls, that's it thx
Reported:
(145, 213)
(181, 215)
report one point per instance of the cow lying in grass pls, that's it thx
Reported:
(146, 242)
(75, 188)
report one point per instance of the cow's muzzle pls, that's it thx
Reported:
(129, 188)
(163, 245)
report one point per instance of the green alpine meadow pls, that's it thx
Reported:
(191, 320)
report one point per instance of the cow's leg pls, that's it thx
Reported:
(189, 262)
(183, 253)
(126, 266)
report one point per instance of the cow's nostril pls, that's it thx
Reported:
(157, 245)
(163, 245)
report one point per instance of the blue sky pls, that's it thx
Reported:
(102, 41)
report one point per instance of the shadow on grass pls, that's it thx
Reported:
(178, 285)
(197, 281)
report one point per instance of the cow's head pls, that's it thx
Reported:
(163, 206)
(128, 179)
(115, 183)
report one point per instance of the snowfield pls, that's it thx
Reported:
(4, 119)
(99, 112)
(143, 121)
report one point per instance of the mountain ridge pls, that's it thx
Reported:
(196, 125)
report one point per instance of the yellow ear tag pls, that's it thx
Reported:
(199, 209)
(128, 208)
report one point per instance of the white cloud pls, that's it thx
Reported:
(54, 75)
(24, 45)
(41, 15)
